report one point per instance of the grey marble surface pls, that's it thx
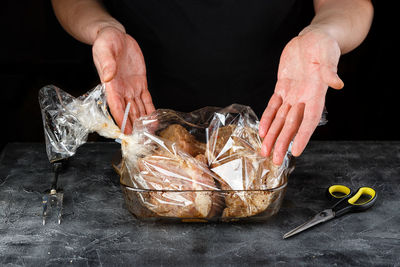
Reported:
(97, 229)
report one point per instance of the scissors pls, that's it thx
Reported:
(363, 199)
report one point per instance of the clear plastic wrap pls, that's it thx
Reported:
(204, 165)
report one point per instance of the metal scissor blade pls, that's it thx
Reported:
(323, 216)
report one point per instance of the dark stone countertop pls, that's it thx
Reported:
(98, 230)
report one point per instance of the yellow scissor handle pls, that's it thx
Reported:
(339, 191)
(363, 191)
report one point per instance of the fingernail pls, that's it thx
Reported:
(294, 151)
(339, 82)
(106, 74)
(276, 161)
(276, 158)
(261, 132)
(263, 151)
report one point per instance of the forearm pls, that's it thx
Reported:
(83, 19)
(347, 21)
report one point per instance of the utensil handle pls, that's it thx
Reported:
(352, 204)
(57, 166)
(337, 192)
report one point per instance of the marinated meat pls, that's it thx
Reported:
(179, 173)
(234, 155)
(178, 135)
(232, 162)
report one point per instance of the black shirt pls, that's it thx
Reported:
(211, 52)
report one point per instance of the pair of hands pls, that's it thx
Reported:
(308, 65)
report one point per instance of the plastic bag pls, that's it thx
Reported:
(200, 165)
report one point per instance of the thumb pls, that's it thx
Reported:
(331, 78)
(108, 71)
(104, 61)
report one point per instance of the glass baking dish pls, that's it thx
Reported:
(178, 205)
(143, 204)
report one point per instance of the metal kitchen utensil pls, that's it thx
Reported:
(361, 200)
(53, 198)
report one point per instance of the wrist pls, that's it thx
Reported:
(100, 25)
(317, 28)
(323, 32)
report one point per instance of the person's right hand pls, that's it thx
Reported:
(120, 65)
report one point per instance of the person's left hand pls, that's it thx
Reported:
(307, 67)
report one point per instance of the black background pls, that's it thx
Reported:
(35, 51)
